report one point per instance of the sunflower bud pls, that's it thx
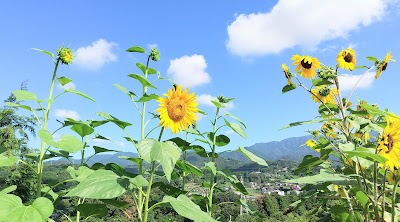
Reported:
(154, 54)
(222, 99)
(65, 55)
(326, 72)
(324, 91)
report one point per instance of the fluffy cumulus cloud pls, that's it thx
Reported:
(65, 113)
(347, 82)
(205, 99)
(189, 71)
(96, 55)
(303, 23)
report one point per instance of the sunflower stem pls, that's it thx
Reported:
(383, 197)
(46, 118)
(396, 183)
(142, 136)
(212, 177)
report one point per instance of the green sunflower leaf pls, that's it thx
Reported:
(24, 95)
(141, 66)
(249, 155)
(136, 49)
(187, 208)
(236, 128)
(372, 59)
(165, 153)
(288, 88)
(321, 82)
(44, 51)
(19, 106)
(301, 123)
(146, 97)
(126, 91)
(64, 80)
(142, 80)
(79, 93)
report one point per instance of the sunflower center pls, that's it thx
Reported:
(176, 109)
(384, 66)
(305, 64)
(324, 91)
(348, 58)
(390, 144)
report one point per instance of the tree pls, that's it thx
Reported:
(14, 128)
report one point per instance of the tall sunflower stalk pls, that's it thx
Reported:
(65, 56)
(346, 135)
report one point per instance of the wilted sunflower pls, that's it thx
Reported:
(389, 146)
(307, 65)
(346, 59)
(178, 110)
(324, 94)
(383, 65)
(287, 74)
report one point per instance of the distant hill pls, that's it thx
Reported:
(287, 149)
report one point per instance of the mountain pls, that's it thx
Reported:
(288, 149)
(101, 158)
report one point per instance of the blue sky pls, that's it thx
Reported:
(230, 48)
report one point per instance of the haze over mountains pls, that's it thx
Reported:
(288, 149)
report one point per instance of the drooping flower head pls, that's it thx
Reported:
(65, 55)
(389, 146)
(288, 75)
(324, 94)
(178, 110)
(154, 54)
(346, 59)
(383, 65)
(307, 65)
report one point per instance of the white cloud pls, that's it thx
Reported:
(150, 46)
(189, 71)
(347, 82)
(69, 85)
(96, 55)
(64, 113)
(303, 23)
(205, 99)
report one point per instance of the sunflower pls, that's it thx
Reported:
(383, 65)
(288, 75)
(328, 130)
(311, 143)
(346, 59)
(178, 110)
(324, 94)
(307, 65)
(389, 146)
(65, 55)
